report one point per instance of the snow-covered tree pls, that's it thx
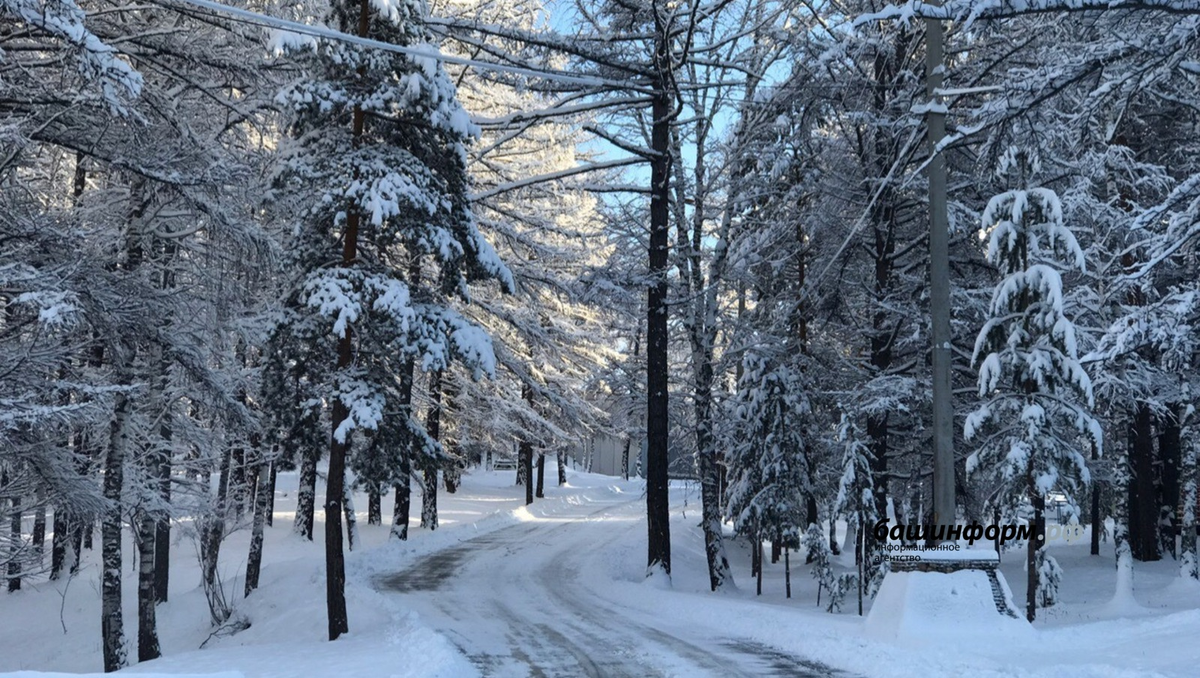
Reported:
(1035, 392)
(388, 237)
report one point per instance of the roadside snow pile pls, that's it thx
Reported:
(932, 607)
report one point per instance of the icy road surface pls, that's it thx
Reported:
(518, 602)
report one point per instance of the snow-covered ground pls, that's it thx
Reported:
(557, 589)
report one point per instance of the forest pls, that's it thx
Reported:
(378, 244)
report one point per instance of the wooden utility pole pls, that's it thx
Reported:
(939, 283)
(657, 512)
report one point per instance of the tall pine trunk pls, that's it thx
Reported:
(1036, 541)
(403, 488)
(658, 523)
(1169, 452)
(1143, 504)
(1188, 565)
(335, 563)
(374, 506)
(526, 465)
(112, 624)
(145, 534)
(14, 537)
(525, 453)
(351, 517)
(37, 541)
(306, 494)
(271, 491)
(261, 508)
(540, 493)
(562, 469)
(433, 426)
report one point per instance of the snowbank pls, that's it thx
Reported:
(936, 607)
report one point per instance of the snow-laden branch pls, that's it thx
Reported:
(971, 10)
(553, 176)
(417, 52)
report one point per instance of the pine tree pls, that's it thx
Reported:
(1035, 391)
(383, 137)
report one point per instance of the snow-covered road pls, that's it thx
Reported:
(518, 601)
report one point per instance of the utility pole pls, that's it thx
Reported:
(939, 282)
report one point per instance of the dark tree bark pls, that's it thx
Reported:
(161, 463)
(14, 539)
(1143, 504)
(1036, 542)
(541, 475)
(146, 533)
(162, 527)
(111, 619)
(351, 516)
(433, 425)
(212, 533)
(787, 571)
(658, 524)
(562, 469)
(262, 495)
(374, 506)
(271, 493)
(834, 547)
(1170, 457)
(403, 488)
(38, 540)
(526, 464)
(237, 482)
(525, 454)
(756, 560)
(306, 494)
(625, 460)
(60, 542)
(1097, 521)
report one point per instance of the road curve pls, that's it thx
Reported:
(513, 602)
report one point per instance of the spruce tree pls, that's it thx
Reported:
(378, 140)
(1035, 391)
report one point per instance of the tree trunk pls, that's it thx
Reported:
(1189, 566)
(834, 547)
(541, 475)
(526, 464)
(374, 506)
(658, 523)
(756, 560)
(433, 425)
(237, 482)
(403, 489)
(1170, 457)
(111, 618)
(625, 460)
(1097, 521)
(787, 571)
(271, 492)
(262, 497)
(306, 495)
(38, 541)
(60, 542)
(146, 533)
(14, 540)
(562, 469)
(351, 517)
(212, 533)
(1143, 506)
(1035, 542)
